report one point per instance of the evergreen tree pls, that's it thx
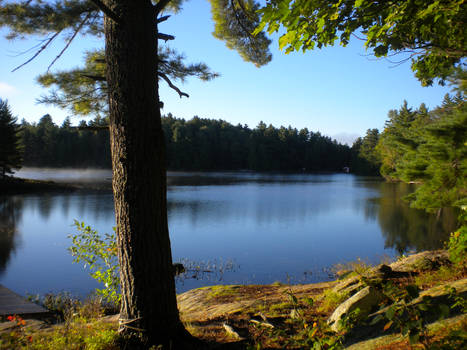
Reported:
(84, 90)
(10, 148)
(397, 140)
(444, 156)
(148, 307)
(365, 157)
(429, 148)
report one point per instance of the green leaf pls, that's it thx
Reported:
(413, 291)
(391, 312)
(444, 310)
(358, 3)
(283, 41)
(320, 25)
(376, 319)
(381, 50)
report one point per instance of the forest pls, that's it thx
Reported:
(195, 144)
(416, 145)
(409, 149)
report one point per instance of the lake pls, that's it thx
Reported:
(243, 227)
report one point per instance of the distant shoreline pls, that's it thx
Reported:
(16, 185)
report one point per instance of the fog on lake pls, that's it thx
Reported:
(244, 227)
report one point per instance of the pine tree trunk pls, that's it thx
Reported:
(149, 305)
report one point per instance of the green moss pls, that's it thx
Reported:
(445, 273)
(69, 335)
(277, 284)
(331, 299)
(222, 291)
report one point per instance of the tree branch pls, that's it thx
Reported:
(166, 78)
(43, 47)
(69, 41)
(163, 19)
(94, 77)
(107, 11)
(240, 23)
(165, 37)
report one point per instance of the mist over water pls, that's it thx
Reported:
(66, 175)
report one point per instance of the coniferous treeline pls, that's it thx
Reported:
(196, 144)
(48, 145)
(425, 147)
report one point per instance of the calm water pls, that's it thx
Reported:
(246, 227)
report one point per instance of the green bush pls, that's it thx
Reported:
(99, 254)
(457, 245)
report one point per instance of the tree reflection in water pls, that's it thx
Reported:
(10, 214)
(405, 228)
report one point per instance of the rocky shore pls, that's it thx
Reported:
(420, 298)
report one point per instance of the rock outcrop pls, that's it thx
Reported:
(365, 301)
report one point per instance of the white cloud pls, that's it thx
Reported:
(7, 90)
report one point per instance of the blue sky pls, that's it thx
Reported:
(336, 90)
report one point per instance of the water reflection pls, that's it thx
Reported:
(274, 226)
(403, 228)
(407, 229)
(10, 214)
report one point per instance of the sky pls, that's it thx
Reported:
(340, 92)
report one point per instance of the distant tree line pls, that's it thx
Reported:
(47, 145)
(195, 144)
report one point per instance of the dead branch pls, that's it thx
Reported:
(166, 78)
(69, 41)
(43, 47)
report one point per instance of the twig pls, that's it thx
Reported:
(166, 78)
(43, 47)
(69, 41)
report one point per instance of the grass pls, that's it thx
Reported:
(75, 333)
(444, 273)
(222, 291)
(80, 326)
(281, 307)
(331, 300)
(352, 268)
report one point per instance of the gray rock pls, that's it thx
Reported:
(424, 261)
(365, 300)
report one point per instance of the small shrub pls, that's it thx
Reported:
(457, 245)
(99, 254)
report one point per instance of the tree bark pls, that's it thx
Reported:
(149, 306)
